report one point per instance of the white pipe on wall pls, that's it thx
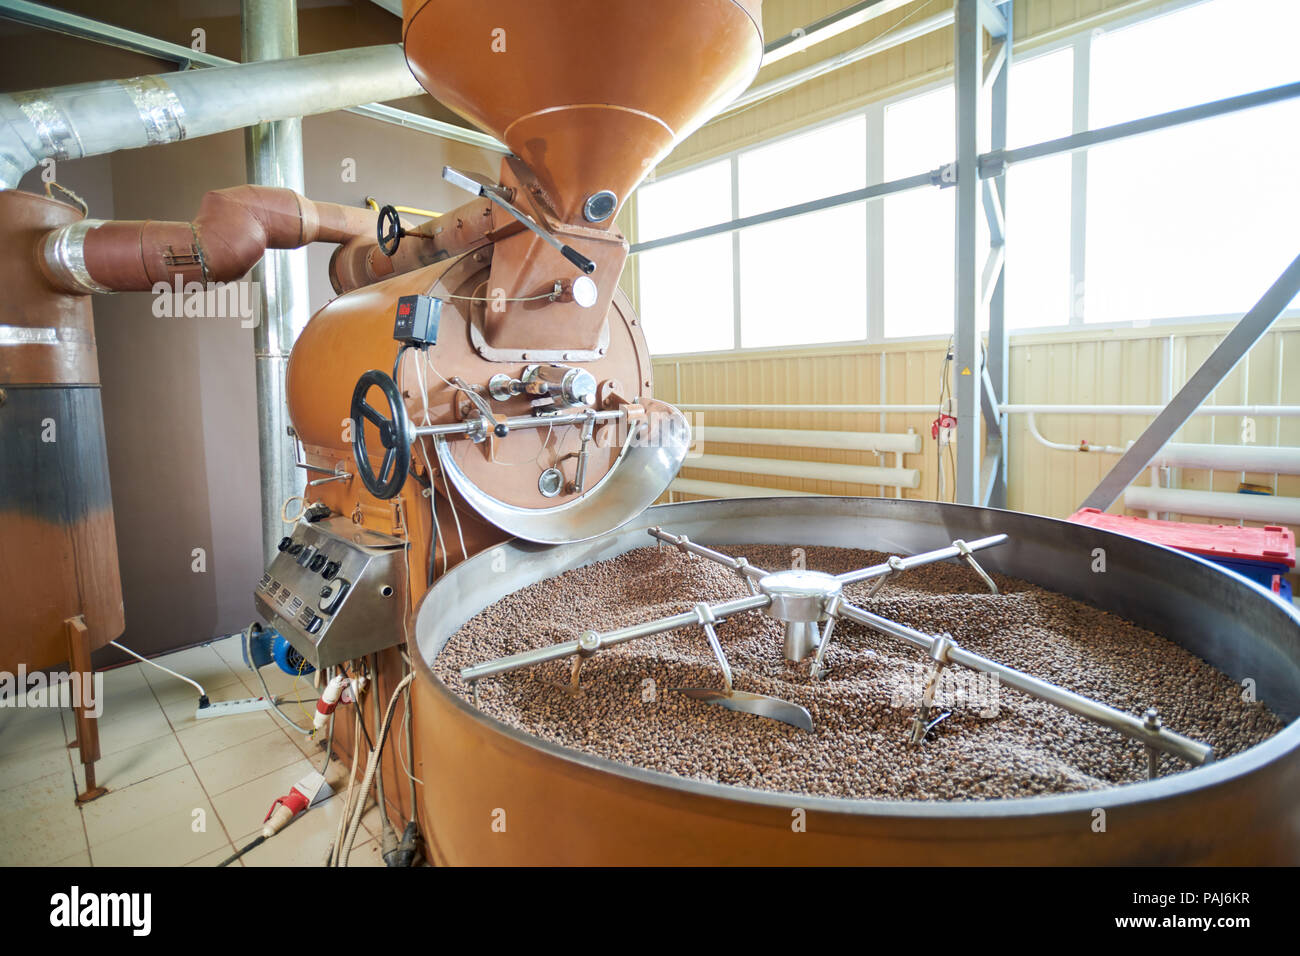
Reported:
(1032, 425)
(1257, 458)
(901, 409)
(1268, 459)
(725, 489)
(1260, 411)
(811, 438)
(825, 471)
(1214, 504)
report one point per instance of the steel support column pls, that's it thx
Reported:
(994, 191)
(979, 386)
(273, 157)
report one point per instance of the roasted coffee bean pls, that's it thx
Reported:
(996, 743)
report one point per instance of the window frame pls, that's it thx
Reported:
(1081, 43)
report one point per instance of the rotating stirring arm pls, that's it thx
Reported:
(589, 642)
(806, 597)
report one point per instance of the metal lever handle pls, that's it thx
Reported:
(578, 259)
(484, 409)
(473, 186)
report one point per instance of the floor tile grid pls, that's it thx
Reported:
(363, 851)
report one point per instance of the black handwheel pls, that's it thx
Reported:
(394, 434)
(389, 228)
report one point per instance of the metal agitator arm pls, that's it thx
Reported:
(803, 599)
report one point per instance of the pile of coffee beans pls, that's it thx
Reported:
(995, 743)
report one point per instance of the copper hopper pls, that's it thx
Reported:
(591, 94)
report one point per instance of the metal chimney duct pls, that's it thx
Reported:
(273, 157)
(88, 119)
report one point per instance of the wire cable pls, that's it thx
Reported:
(371, 766)
(270, 698)
(428, 467)
(330, 859)
(193, 683)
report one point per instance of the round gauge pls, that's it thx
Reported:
(585, 291)
(551, 482)
(600, 206)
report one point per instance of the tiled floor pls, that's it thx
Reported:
(182, 791)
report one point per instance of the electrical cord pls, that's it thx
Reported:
(203, 695)
(371, 766)
(330, 859)
(445, 483)
(482, 298)
(428, 464)
(456, 517)
(270, 698)
(388, 838)
(261, 837)
(409, 760)
(285, 507)
(945, 398)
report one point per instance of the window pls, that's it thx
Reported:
(781, 301)
(802, 280)
(1039, 108)
(824, 162)
(919, 225)
(1191, 222)
(1200, 219)
(686, 289)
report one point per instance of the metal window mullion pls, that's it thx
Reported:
(875, 225)
(1079, 181)
(968, 79)
(737, 341)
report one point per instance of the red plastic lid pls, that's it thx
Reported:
(1270, 545)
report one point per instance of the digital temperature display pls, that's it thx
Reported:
(417, 319)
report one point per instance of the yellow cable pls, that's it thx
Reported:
(302, 662)
(409, 210)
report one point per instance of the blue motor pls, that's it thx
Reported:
(262, 645)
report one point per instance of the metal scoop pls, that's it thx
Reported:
(760, 704)
(764, 706)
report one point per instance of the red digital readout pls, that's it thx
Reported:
(404, 309)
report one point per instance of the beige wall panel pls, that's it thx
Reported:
(1123, 367)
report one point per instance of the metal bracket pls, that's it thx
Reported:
(921, 723)
(817, 672)
(965, 551)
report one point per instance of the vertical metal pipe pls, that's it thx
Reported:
(273, 157)
(999, 350)
(967, 369)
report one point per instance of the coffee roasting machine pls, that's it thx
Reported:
(475, 412)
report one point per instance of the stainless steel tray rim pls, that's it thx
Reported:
(1183, 784)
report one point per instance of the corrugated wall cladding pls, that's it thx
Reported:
(886, 74)
(1108, 367)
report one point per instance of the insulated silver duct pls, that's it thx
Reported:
(88, 119)
(273, 157)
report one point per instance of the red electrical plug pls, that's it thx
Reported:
(285, 809)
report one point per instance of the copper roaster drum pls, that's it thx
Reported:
(566, 807)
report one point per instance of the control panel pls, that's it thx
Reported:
(416, 322)
(335, 590)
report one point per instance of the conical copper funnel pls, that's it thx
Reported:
(591, 94)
